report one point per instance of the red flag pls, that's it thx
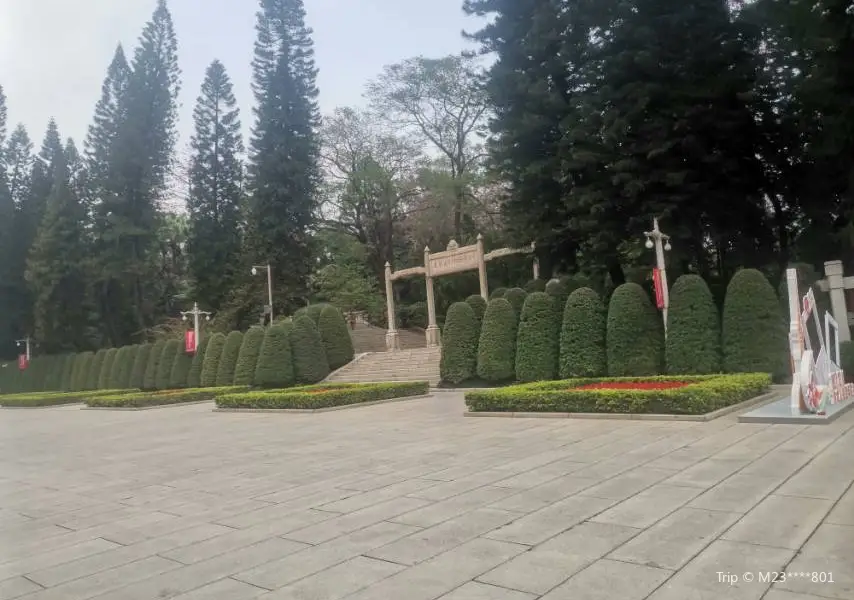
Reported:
(190, 342)
(23, 362)
(659, 290)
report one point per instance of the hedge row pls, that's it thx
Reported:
(322, 396)
(302, 351)
(704, 394)
(158, 398)
(540, 336)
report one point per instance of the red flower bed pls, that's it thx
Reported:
(632, 385)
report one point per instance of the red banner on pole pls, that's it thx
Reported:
(190, 342)
(659, 290)
(23, 363)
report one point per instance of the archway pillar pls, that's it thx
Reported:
(392, 338)
(432, 332)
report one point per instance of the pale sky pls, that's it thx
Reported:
(54, 53)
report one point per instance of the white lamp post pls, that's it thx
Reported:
(269, 286)
(196, 314)
(26, 344)
(654, 239)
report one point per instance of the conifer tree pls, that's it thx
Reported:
(126, 217)
(56, 268)
(215, 188)
(7, 225)
(283, 168)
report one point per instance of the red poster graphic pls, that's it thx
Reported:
(659, 290)
(23, 363)
(190, 342)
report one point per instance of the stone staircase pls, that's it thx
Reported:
(367, 338)
(414, 364)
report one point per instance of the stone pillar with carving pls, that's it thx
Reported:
(432, 329)
(481, 269)
(392, 339)
(836, 287)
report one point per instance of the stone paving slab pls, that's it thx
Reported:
(411, 500)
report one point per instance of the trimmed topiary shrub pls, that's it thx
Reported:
(180, 372)
(478, 305)
(559, 290)
(846, 359)
(516, 298)
(105, 378)
(582, 336)
(127, 367)
(498, 293)
(635, 337)
(81, 371)
(310, 365)
(164, 366)
(149, 379)
(140, 364)
(538, 339)
(228, 359)
(459, 344)
(535, 285)
(693, 344)
(247, 358)
(275, 366)
(67, 372)
(118, 369)
(210, 365)
(335, 335)
(313, 311)
(754, 337)
(194, 377)
(496, 349)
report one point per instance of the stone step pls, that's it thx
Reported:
(416, 364)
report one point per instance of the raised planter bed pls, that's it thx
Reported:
(140, 400)
(49, 399)
(324, 396)
(689, 395)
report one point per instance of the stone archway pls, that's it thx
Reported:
(454, 259)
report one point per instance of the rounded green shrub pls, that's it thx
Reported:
(127, 370)
(164, 365)
(95, 369)
(194, 377)
(149, 379)
(635, 337)
(693, 344)
(310, 365)
(459, 343)
(105, 378)
(535, 285)
(559, 290)
(275, 368)
(538, 339)
(247, 358)
(498, 293)
(496, 349)
(313, 311)
(336, 337)
(140, 364)
(119, 370)
(67, 372)
(582, 336)
(213, 353)
(180, 372)
(516, 298)
(478, 305)
(81, 371)
(754, 337)
(228, 359)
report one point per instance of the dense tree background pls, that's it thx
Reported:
(731, 121)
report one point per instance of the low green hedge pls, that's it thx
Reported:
(33, 399)
(322, 395)
(138, 399)
(704, 394)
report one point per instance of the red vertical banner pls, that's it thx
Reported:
(659, 290)
(190, 342)
(23, 363)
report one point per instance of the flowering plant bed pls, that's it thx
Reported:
(42, 399)
(321, 396)
(137, 399)
(671, 395)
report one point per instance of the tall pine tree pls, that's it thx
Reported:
(56, 269)
(216, 179)
(7, 225)
(283, 168)
(127, 216)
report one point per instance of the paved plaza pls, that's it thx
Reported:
(411, 501)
